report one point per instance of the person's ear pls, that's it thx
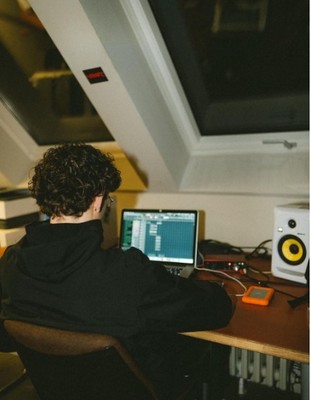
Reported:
(98, 203)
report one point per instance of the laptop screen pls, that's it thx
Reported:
(166, 236)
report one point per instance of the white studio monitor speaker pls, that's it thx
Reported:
(290, 251)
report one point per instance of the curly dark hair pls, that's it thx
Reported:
(69, 176)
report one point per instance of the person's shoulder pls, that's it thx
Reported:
(10, 251)
(131, 255)
(132, 260)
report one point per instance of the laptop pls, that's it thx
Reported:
(169, 237)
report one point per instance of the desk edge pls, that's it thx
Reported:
(247, 344)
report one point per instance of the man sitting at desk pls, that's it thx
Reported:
(58, 275)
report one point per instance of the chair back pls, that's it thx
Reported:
(66, 365)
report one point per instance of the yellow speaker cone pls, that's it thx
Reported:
(292, 250)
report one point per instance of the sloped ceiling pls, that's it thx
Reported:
(144, 107)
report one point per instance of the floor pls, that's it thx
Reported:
(258, 392)
(10, 366)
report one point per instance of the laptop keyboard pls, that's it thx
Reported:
(183, 271)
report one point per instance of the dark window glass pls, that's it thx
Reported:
(37, 86)
(244, 64)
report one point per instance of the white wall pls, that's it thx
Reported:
(241, 220)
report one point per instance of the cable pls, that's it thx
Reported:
(256, 251)
(225, 274)
(211, 246)
(257, 271)
(266, 283)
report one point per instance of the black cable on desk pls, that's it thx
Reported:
(268, 283)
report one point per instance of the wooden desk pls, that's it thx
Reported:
(276, 330)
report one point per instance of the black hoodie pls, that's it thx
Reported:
(58, 275)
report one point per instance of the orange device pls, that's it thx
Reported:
(258, 295)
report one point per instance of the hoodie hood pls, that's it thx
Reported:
(51, 252)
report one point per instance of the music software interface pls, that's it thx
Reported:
(164, 236)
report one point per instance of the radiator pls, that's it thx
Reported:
(264, 369)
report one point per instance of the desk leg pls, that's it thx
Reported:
(218, 371)
(304, 381)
